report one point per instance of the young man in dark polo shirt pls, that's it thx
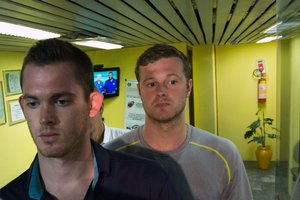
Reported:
(58, 103)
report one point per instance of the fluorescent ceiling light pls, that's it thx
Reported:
(281, 26)
(26, 32)
(98, 44)
(269, 39)
(273, 29)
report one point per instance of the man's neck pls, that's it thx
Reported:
(66, 178)
(165, 136)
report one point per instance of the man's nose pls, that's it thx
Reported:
(47, 115)
(161, 89)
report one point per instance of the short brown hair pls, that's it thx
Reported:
(50, 51)
(159, 51)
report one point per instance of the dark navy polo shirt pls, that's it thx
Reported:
(117, 176)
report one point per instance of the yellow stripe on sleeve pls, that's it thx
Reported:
(220, 155)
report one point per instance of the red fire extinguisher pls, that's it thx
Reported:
(262, 89)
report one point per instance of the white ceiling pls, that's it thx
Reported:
(143, 22)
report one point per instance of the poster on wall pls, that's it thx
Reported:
(134, 110)
(15, 112)
(12, 82)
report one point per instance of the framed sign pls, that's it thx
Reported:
(134, 110)
(12, 82)
(15, 113)
(2, 108)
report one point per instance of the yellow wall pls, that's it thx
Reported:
(237, 91)
(284, 97)
(16, 147)
(225, 94)
(294, 115)
(204, 87)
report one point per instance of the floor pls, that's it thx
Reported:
(265, 183)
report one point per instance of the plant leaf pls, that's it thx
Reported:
(254, 125)
(248, 134)
(250, 141)
(268, 121)
(271, 135)
(258, 139)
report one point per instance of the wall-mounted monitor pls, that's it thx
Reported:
(106, 80)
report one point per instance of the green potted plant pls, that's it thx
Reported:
(258, 131)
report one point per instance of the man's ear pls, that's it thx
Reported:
(189, 87)
(96, 99)
(21, 102)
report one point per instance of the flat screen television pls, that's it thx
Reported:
(106, 80)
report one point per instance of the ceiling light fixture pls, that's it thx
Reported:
(26, 32)
(98, 44)
(281, 27)
(269, 39)
(272, 29)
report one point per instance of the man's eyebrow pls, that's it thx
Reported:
(168, 75)
(173, 74)
(61, 94)
(149, 78)
(54, 96)
(28, 96)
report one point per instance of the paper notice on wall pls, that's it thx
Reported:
(134, 110)
(261, 66)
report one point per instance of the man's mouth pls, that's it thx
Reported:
(49, 136)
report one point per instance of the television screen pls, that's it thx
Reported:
(106, 80)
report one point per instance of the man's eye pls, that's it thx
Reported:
(172, 82)
(32, 104)
(150, 84)
(63, 102)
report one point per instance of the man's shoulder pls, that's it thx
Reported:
(133, 162)
(114, 156)
(128, 139)
(205, 138)
(137, 177)
(129, 165)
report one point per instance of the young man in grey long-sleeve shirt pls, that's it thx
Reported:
(202, 165)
